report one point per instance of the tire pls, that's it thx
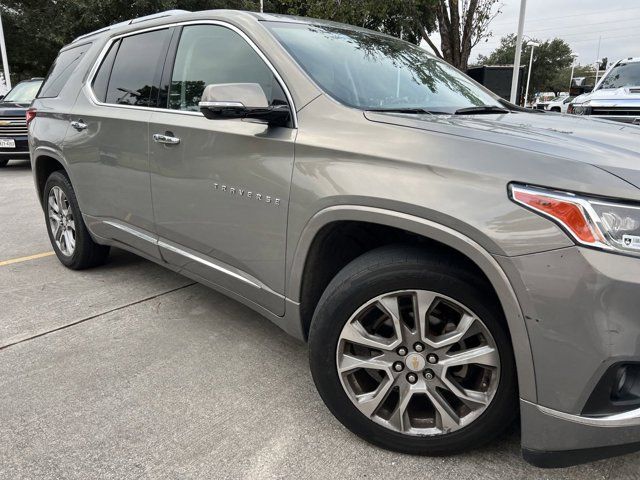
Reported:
(395, 269)
(85, 253)
(555, 109)
(3, 163)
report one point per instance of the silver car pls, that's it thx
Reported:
(455, 262)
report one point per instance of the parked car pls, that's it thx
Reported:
(541, 100)
(454, 261)
(13, 125)
(615, 97)
(559, 104)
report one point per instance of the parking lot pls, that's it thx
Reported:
(132, 371)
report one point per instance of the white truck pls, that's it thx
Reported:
(616, 96)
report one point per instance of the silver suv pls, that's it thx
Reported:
(453, 261)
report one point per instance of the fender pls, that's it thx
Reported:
(443, 234)
(47, 151)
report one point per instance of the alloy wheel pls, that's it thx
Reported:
(61, 221)
(418, 362)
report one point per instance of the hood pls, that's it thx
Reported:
(611, 96)
(611, 146)
(10, 109)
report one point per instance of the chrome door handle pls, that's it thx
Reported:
(166, 139)
(79, 125)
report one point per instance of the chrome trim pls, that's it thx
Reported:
(94, 69)
(161, 244)
(220, 104)
(132, 231)
(625, 419)
(167, 140)
(207, 263)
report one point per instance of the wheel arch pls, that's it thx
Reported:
(429, 231)
(45, 162)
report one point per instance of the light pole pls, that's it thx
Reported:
(5, 62)
(573, 66)
(526, 92)
(516, 62)
(261, 6)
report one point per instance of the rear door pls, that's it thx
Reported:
(108, 139)
(221, 194)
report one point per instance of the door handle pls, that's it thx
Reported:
(166, 139)
(79, 125)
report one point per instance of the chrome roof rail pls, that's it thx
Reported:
(153, 16)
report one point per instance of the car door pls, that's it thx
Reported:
(221, 188)
(108, 139)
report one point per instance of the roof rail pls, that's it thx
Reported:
(167, 13)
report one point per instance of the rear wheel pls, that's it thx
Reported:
(68, 234)
(410, 352)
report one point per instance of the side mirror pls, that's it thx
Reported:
(241, 100)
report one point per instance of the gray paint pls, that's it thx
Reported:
(441, 177)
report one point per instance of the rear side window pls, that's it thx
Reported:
(134, 76)
(61, 70)
(101, 80)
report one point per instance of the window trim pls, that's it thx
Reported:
(96, 65)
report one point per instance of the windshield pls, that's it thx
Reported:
(375, 72)
(24, 92)
(622, 75)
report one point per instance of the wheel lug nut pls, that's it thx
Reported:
(402, 351)
(418, 347)
(412, 378)
(429, 375)
(398, 366)
(432, 358)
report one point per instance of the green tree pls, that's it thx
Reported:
(551, 62)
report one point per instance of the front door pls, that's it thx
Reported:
(221, 194)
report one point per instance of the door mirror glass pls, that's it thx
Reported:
(241, 100)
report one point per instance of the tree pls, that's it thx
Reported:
(550, 60)
(462, 26)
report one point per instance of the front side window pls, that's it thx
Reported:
(622, 75)
(212, 54)
(61, 70)
(371, 71)
(134, 77)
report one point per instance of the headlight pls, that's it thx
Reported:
(612, 226)
(579, 108)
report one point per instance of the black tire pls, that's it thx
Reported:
(87, 253)
(394, 268)
(555, 109)
(3, 163)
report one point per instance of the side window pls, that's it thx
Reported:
(61, 70)
(101, 80)
(211, 54)
(134, 76)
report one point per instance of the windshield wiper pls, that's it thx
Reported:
(416, 111)
(482, 109)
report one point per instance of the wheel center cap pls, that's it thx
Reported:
(415, 362)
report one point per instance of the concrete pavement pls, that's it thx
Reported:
(131, 371)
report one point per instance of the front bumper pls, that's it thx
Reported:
(582, 311)
(21, 151)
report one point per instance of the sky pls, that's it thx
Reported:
(579, 22)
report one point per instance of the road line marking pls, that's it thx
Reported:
(25, 259)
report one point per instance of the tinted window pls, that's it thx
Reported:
(209, 54)
(61, 70)
(373, 71)
(134, 76)
(101, 79)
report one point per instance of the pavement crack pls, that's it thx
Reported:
(91, 317)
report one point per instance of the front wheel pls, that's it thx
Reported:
(410, 352)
